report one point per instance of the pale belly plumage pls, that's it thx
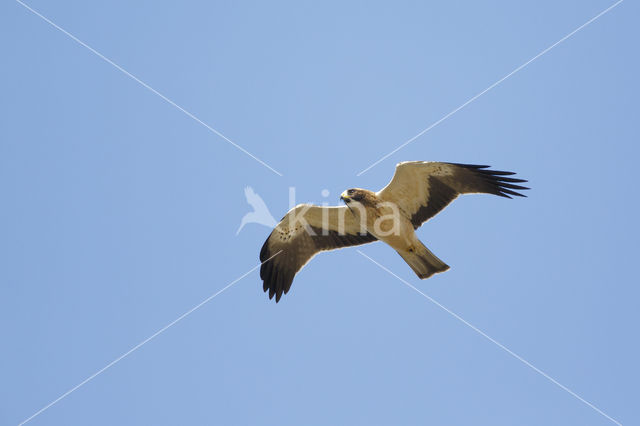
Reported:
(387, 224)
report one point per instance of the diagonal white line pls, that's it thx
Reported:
(145, 341)
(491, 87)
(492, 340)
(145, 85)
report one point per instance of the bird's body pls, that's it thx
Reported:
(388, 223)
(376, 210)
(418, 191)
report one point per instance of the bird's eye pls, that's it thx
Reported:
(350, 192)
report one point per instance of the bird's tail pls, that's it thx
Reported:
(422, 261)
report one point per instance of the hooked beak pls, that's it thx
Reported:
(344, 197)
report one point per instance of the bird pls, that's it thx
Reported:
(418, 191)
(260, 213)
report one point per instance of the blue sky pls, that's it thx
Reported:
(119, 212)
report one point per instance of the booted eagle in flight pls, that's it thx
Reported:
(418, 191)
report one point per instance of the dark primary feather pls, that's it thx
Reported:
(493, 181)
(469, 178)
(278, 272)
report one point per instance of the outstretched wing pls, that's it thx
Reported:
(300, 235)
(422, 189)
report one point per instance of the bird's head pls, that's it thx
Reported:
(355, 195)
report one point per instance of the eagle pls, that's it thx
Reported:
(418, 191)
